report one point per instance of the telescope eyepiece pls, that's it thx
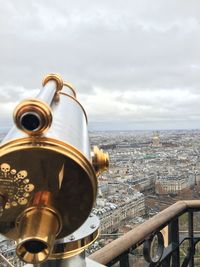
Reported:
(34, 246)
(33, 116)
(37, 227)
(33, 251)
(30, 121)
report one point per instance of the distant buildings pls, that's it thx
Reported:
(165, 162)
(122, 208)
(170, 185)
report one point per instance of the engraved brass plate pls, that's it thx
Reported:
(15, 185)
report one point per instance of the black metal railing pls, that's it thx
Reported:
(169, 239)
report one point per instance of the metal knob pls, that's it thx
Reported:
(100, 160)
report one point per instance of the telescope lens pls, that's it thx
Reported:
(30, 121)
(34, 246)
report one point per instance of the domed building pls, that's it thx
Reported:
(156, 140)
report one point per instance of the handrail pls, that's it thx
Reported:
(141, 232)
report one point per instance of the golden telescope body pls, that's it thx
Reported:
(48, 175)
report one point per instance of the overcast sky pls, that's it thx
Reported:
(135, 64)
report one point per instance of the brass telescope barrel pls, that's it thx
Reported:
(48, 175)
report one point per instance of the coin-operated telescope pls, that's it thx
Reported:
(48, 175)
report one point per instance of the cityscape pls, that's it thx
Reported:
(148, 172)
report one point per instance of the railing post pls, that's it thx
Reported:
(174, 240)
(191, 236)
(124, 260)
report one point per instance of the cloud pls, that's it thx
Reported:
(160, 105)
(135, 59)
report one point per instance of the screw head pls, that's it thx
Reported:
(92, 226)
(72, 237)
